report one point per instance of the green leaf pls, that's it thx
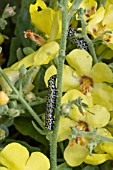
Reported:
(28, 50)
(25, 127)
(15, 44)
(106, 165)
(64, 166)
(91, 167)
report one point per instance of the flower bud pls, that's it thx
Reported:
(30, 97)
(13, 112)
(66, 108)
(3, 98)
(2, 134)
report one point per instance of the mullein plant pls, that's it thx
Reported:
(79, 102)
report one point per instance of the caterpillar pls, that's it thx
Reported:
(80, 42)
(51, 103)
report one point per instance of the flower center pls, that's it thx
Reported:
(107, 37)
(99, 31)
(82, 125)
(86, 84)
(90, 12)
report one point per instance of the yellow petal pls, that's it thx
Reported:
(90, 7)
(46, 53)
(70, 79)
(102, 132)
(107, 147)
(14, 156)
(3, 98)
(56, 27)
(98, 16)
(43, 19)
(110, 1)
(80, 60)
(49, 72)
(27, 61)
(108, 16)
(64, 128)
(72, 95)
(42, 56)
(110, 45)
(102, 73)
(75, 155)
(102, 94)
(13, 76)
(3, 168)
(96, 159)
(39, 3)
(69, 83)
(94, 24)
(37, 161)
(99, 116)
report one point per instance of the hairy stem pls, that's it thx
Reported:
(53, 140)
(73, 9)
(84, 34)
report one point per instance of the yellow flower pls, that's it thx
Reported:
(92, 78)
(46, 19)
(3, 98)
(75, 154)
(96, 159)
(90, 7)
(96, 117)
(42, 56)
(16, 157)
(101, 22)
(81, 75)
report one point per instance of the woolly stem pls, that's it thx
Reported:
(53, 140)
(84, 34)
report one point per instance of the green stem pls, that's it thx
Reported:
(84, 34)
(31, 111)
(91, 135)
(73, 8)
(53, 140)
(61, 145)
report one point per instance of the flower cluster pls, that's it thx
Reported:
(87, 101)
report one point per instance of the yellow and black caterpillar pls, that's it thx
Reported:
(79, 41)
(51, 103)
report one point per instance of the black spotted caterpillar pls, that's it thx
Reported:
(80, 42)
(51, 103)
